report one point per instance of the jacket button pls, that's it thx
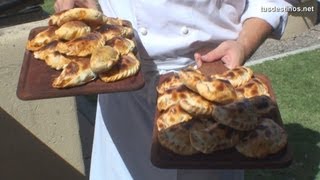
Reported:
(184, 30)
(143, 31)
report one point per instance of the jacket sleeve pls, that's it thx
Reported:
(274, 12)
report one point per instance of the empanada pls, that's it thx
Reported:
(90, 16)
(72, 29)
(127, 66)
(237, 76)
(42, 38)
(82, 46)
(190, 77)
(76, 73)
(267, 138)
(176, 139)
(217, 90)
(103, 59)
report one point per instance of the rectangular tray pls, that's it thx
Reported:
(224, 159)
(36, 79)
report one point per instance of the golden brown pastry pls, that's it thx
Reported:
(116, 21)
(110, 31)
(124, 24)
(255, 87)
(76, 73)
(170, 82)
(127, 66)
(72, 29)
(173, 96)
(174, 115)
(267, 138)
(52, 58)
(103, 59)
(123, 45)
(42, 53)
(190, 77)
(197, 106)
(90, 16)
(237, 76)
(42, 38)
(217, 90)
(82, 46)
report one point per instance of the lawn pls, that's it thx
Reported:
(296, 82)
(48, 6)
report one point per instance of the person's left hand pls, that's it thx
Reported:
(232, 53)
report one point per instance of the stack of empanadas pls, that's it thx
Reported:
(201, 114)
(86, 45)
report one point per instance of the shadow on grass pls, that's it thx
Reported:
(305, 144)
(23, 156)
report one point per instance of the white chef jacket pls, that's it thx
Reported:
(168, 33)
(171, 30)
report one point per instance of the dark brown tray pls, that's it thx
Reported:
(36, 79)
(224, 159)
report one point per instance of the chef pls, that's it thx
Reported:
(171, 35)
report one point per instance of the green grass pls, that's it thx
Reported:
(48, 6)
(296, 83)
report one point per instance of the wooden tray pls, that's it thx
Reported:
(36, 79)
(224, 159)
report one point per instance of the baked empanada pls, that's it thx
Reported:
(71, 30)
(237, 76)
(103, 59)
(82, 46)
(217, 90)
(127, 66)
(90, 16)
(76, 73)
(42, 38)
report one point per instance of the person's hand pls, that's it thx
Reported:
(61, 5)
(231, 53)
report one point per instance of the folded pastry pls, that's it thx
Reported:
(240, 115)
(103, 59)
(197, 106)
(42, 53)
(217, 90)
(82, 46)
(72, 29)
(52, 58)
(172, 96)
(255, 87)
(123, 45)
(237, 76)
(208, 136)
(174, 115)
(42, 38)
(170, 82)
(90, 16)
(110, 31)
(116, 21)
(176, 139)
(76, 73)
(190, 77)
(127, 66)
(267, 138)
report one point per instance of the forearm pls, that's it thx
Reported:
(254, 32)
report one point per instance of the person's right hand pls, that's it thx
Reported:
(61, 5)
